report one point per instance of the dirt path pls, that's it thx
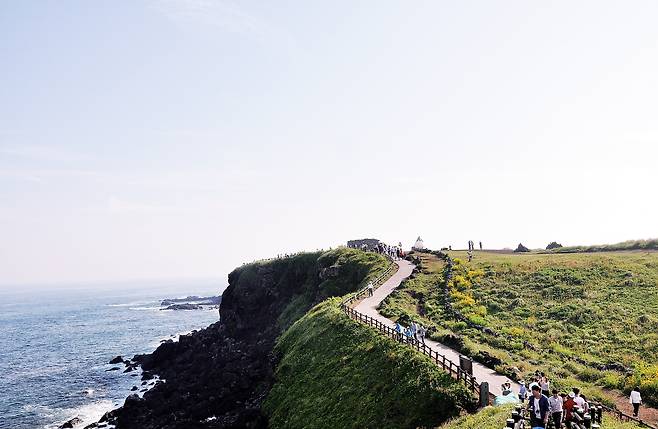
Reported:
(647, 414)
(369, 306)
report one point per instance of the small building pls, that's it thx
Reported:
(364, 244)
(419, 245)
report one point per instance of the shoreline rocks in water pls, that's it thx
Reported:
(71, 423)
(183, 307)
(116, 360)
(193, 299)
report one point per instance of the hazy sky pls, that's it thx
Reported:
(178, 139)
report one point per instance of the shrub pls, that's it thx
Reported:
(553, 245)
(521, 248)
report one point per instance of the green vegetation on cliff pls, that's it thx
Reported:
(335, 372)
(569, 315)
(315, 275)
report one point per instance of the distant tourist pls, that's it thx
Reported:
(523, 391)
(544, 384)
(370, 288)
(470, 255)
(579, 400)
(636, 400)
(480, 245)
(555, 403)
(398, 329)
(568, 407)
(421, 333)
(539, 409)
(414, 330)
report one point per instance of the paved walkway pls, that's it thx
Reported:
(369, 307)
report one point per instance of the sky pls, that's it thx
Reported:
(177, 139)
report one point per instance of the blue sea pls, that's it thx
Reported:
(55, 346)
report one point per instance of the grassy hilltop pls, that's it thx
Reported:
(332, 371)
(588, 319)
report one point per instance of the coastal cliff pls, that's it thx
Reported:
(219, 377)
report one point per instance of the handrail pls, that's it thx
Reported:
(622, 416)
(446, 364)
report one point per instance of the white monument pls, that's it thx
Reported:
(419, 244)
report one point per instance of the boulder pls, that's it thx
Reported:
(71, 423)
(116, 360)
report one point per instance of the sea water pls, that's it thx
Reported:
(55, 346)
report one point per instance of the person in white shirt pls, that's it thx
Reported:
(579, 400)
(555, 406)
(635, 400)
(370, 288)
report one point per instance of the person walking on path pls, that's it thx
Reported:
(579, 400)
(480, 245)
(555, 404)
(568, 407)
(414, 330)
(635, 399)
(370, 288)
(398, 329)
(421, 333)
(544, 384)
(523, 391)
(539, 409)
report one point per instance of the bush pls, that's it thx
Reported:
(521, 248)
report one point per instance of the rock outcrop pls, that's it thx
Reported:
(219, 376)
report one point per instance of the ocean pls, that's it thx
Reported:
(55, 347)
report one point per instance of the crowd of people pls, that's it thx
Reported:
(394, 252)
(415, 331)
(552, 409)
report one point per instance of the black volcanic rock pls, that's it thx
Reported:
(218, 377)
(183, 307)
(69, 424)
(204, 300)
(116, 360)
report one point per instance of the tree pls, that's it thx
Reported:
(553, 245)
(521, 248)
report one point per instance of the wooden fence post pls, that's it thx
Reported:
(484, 394)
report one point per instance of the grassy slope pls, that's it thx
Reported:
(354, 267)
(625, 245)
(598, 307)
(335, 372)
(495, 418)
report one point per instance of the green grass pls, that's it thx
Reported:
(651, 244)
(575, 311)
(486, 418)
(335, 372)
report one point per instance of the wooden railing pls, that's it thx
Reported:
(446, 364)
(625, 417)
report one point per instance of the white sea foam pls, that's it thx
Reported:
(144, 308)
(88, 413)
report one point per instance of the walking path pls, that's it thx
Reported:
(368, 306)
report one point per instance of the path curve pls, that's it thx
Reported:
(369, 305)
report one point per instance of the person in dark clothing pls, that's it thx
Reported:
(539, 408)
